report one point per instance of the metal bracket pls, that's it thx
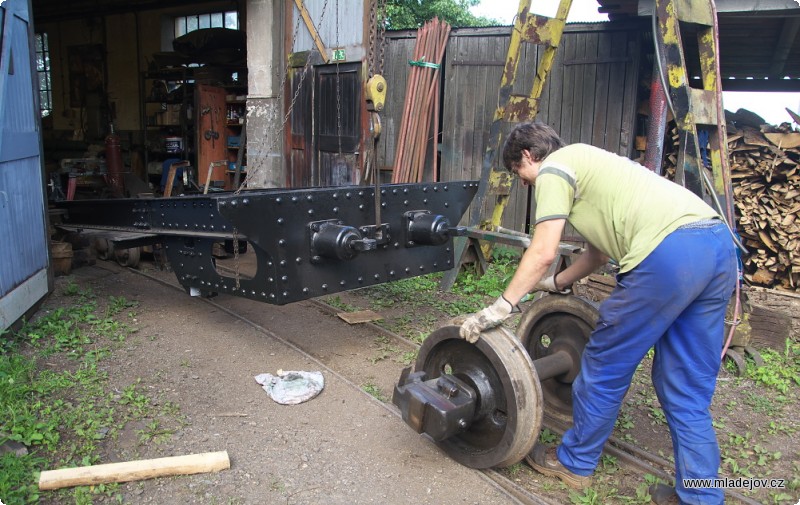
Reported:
(440, 407)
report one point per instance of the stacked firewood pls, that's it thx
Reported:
(766, 191)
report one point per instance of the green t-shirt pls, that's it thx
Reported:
(617, 205)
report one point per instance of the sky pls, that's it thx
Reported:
(770, 106)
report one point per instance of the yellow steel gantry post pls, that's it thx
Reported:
(496, 183)
(695, 106)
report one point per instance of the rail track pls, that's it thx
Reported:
(528, 489)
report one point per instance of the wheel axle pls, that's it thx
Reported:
(483, 402)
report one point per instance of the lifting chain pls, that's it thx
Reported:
(338, 91)
(288, 114)
(377, 36)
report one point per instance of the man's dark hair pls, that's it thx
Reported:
(538, 138)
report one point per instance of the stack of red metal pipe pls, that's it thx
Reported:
(421, 105)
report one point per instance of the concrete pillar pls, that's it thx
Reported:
(266, 67)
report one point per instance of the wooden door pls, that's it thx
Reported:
(337, 120)
(299, 171)
(210, 133)
(24, 274)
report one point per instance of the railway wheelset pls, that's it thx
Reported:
(483, 403)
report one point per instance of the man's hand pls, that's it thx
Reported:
(549, 284)
(487, 318)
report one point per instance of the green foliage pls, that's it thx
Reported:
(780, 370)
(500, 270)
(374, 391)
(403, 14)
(589, 497)
(17, 482)
(62, 410)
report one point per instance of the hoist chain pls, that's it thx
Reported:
(294, 97)
(377, 36)
(283, 123)
(381, 18)
(338, 89)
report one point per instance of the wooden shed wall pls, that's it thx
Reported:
(590, 95)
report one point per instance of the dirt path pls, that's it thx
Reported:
(341, 447)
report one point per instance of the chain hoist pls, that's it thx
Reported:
(286, 117)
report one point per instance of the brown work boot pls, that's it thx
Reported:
(545, 460)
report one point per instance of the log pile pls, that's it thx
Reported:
(766, 190)
(765, 177)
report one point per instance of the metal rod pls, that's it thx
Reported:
(553, 365)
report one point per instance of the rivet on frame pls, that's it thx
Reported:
(336, 210)
(435, 265)
(422, 267)
(377, 277)
(342, 283)
(263, 294)
(279, 200)
(309, 198)
(310, 212)
(360, 280)
(324, 287)
(285, 278)
(405, 202)
(246, 201)
(280, 220)
(335, 196)
(445, 187)
(272, 295)
(347, 195)
(298, 260)
(425, 201)
(294, 199)
(446, 204)
(391, 273)
(408, 270)
(306, 290)
(282, 243)
(285, 294)
(360, 193)
(282, 263)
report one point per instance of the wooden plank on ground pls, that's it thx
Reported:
(361, 316)
(134, 470)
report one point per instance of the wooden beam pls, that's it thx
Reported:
(134, 470)
(323, 51)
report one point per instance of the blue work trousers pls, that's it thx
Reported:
(674, 301)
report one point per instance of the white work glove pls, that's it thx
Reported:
(549, 284)
(487, 318)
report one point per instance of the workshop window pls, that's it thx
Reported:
(43, 73)
(186, 24)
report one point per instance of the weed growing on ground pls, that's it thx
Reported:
(61, 413)
(373, 390)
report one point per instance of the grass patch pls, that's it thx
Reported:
(56, 398)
